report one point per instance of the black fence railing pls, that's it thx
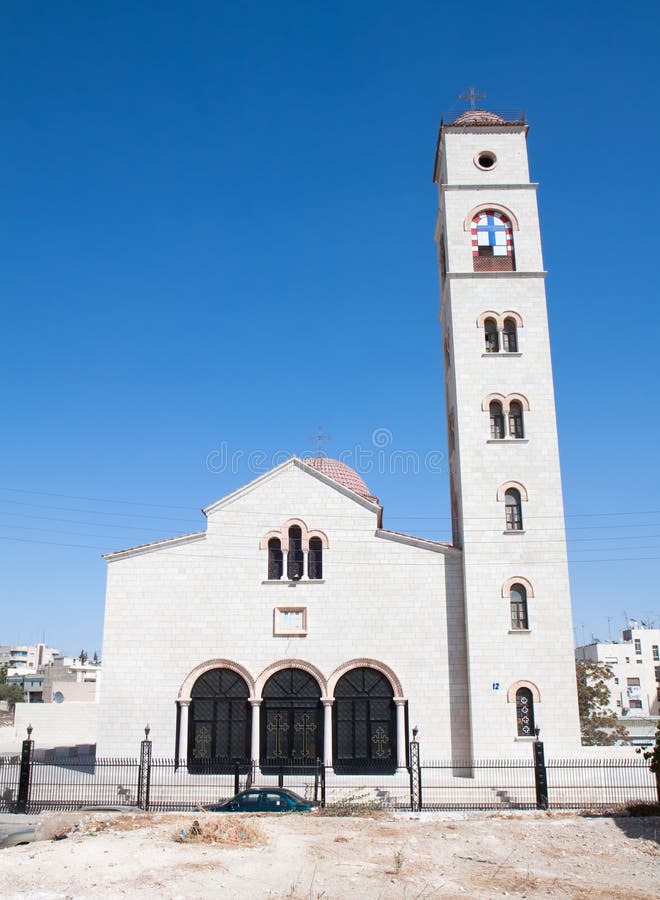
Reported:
(31, 784)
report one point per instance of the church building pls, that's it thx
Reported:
(295, 626)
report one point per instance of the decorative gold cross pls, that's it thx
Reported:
(278, 727)
(202, 743)
(380, 739)
(305, 726)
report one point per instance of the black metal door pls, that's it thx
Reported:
(292, 718)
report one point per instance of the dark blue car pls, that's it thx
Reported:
(266, 800)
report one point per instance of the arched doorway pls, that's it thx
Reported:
(364, 722)
(219, 724)
(291, 718)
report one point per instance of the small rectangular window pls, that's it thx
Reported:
(656, 652)
(290, 621)
(635, 704)
(638, 646)
(633, 682)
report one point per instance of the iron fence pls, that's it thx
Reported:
(30, 784)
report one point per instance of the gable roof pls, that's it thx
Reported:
(370, 503)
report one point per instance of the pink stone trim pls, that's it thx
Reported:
(485, 403)
(366, 663)
(202, 668)
(505, 401)
(503, 488)
(290, 664)
(275, 533)
(499, 318)
(510, 314)
(283, 534)
(496, 207)
(321, 535)
(524, 402)
(511, 693)
(517, 579)
(489, 314)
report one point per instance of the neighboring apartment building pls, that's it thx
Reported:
(26, 657)
(67, 678)
(635, 685)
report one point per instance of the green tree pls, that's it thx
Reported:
(83, 657)
(3, 674)
(652, 756)
(599, 725)
(11, 693)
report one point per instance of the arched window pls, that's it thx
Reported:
(275, 559)
(491, 336)
(525, 712)
(513, 510)
(509, 336)
(219, 722)
(315, 558)
(291, 718)
(496, 420)
(364, 715)
(492, 242)
(294, 560)
(516, 419)
(519, 619)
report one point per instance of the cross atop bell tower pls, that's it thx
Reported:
(472, 95)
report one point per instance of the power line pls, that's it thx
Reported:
(358, 562)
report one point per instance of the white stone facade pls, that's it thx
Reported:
(434, 619)
(382, 599)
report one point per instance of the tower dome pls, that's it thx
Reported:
(478, 117)
(341, 473)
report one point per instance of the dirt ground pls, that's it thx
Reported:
(311, 857)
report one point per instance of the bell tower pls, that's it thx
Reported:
(506, 495)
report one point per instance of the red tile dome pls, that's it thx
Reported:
(340, 473)
(478, 117)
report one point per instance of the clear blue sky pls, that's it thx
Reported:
(196, 194)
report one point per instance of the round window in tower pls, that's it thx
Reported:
(485, 159)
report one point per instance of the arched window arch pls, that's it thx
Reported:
(315, 559)
(524, 712)
(275, 559)
(516, 429)
(219, 723)
(496, 420)
(491, 336)
(295, 557)
(492, 242)
(510, 335)
(518, 604)
(364, 715)
(513, 510)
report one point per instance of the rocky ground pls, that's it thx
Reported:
(312, 857)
